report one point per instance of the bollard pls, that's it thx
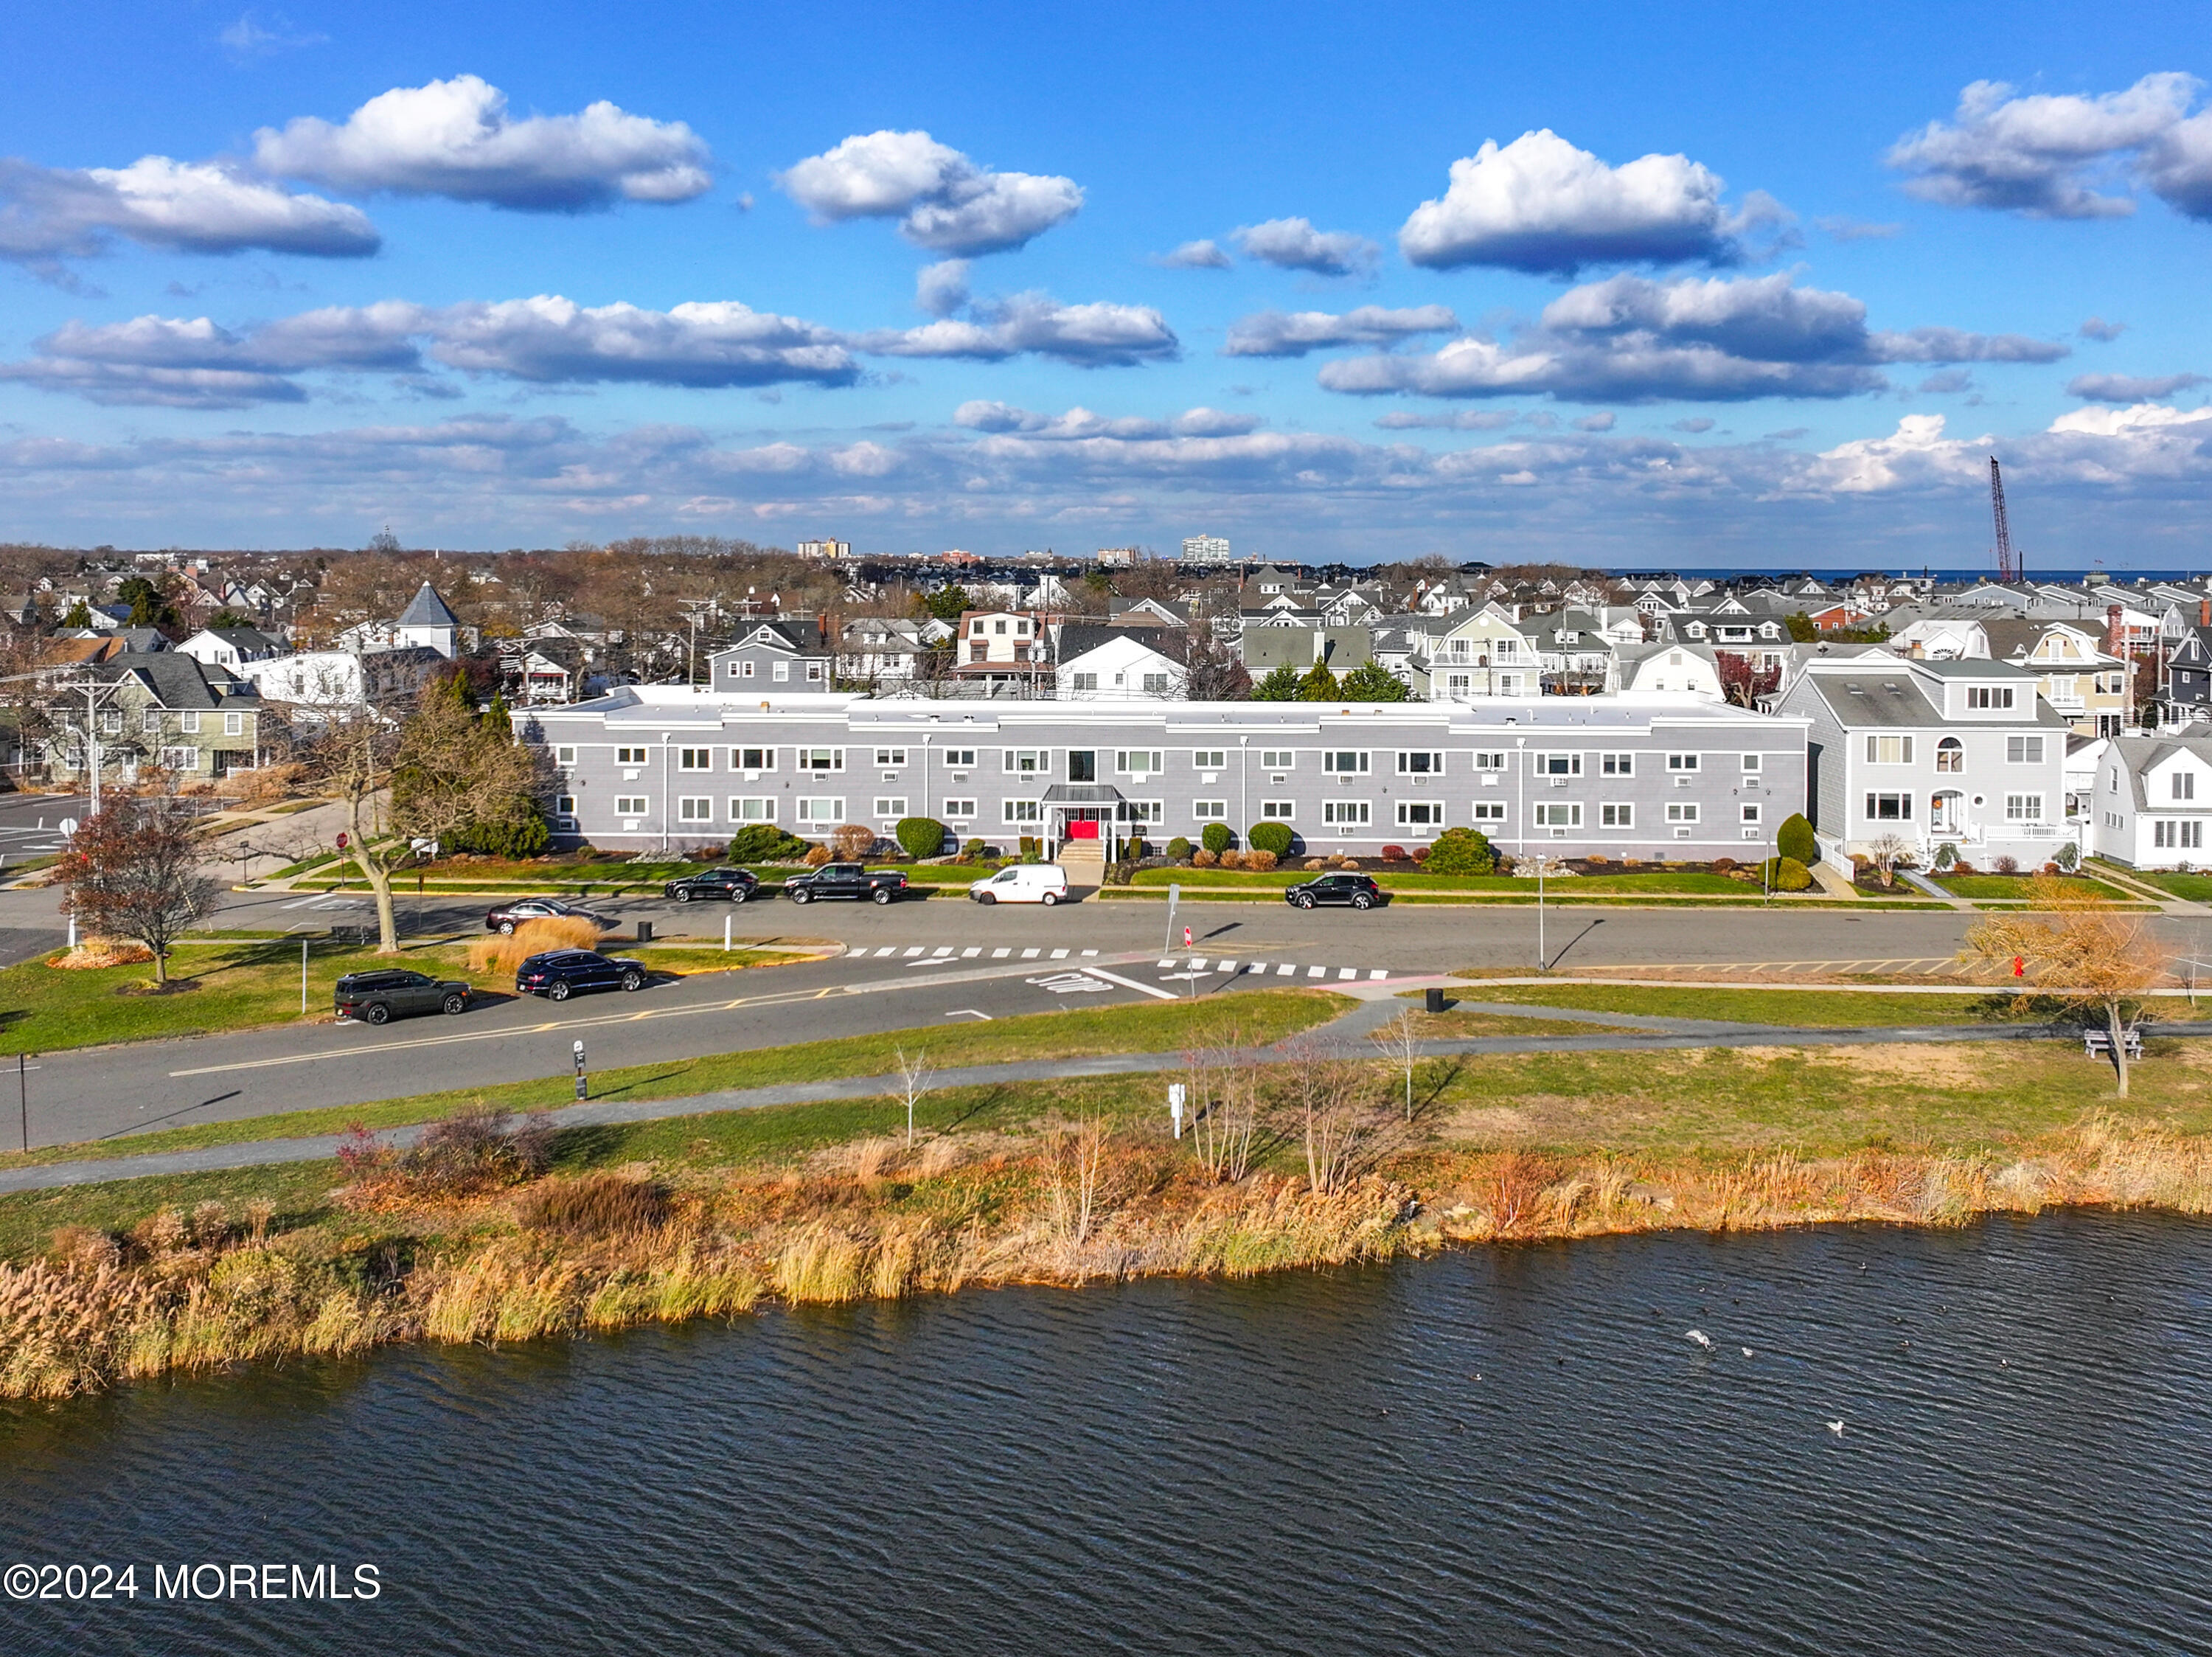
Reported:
(1176, 1096)
(645, 931)
(582, 1086)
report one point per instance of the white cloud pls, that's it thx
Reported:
(1602, 421)
(1697, 426)
(1196, 256)
(2098, 329)
(1273, 333)
(48, 213)
(549, 339)
(942, 200)
(942, 288)
(1541, 205)
(1457, 420)
(248, 38)
(1851, 229)
(1090, 336)
(455, 139)
(2061, 155)
(1295, 244)
(1957, 346)
(2129, 388)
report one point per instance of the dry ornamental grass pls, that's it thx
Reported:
(504, 953)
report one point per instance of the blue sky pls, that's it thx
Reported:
(1721, 288)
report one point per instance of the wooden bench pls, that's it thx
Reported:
(2098, 1044)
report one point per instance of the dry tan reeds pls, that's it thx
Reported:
(498, 953)
(93, 954)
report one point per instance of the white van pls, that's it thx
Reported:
(1022, 883)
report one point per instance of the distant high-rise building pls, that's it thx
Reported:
(1206, 549)
(1117, 556)
(826, 549)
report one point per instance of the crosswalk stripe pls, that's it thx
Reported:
(1167, 966)
(888, 949)
(1348, 972)
(1316, 971)
(1090, 951)
(1196, 964)
(1060, 955)
(1000, 955)
(912, 952)
(1285, 971)
(942, 951)
(971, 951)
(1228, 967)
(1377, 975)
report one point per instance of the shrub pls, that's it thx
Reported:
(1135, 847)
(921, 837)
(2069, 856)
(1340, 861)
(2053, 868)
(597, 1205)
(853, 842)
(973, 850)
(1204, 859)
(1120, 874)
(526, 836)
(1316, 863)
(1962, 867)
(496, 954)
(1276, 838)
(473, 1149)
(1029, 852)
(1789, 875)
(1721, 865)
(1258, 858)
(1598, 860)
(1394, 854)
(1236, 859)
(764, 843)
(1216, 837)
(1179, 848)
(817, 855)
(1462, 852)
(1421, 853)
(2008, 865)
(1796, 841)
(1946, 857)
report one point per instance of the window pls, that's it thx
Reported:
(2023, 809)
(694, 759)
(1617, 765)
(1420, 764)
(1889, 750)
(694, 808)
(1278, 811)
(1154, 684)
(813, 673)
(1027, 762)
(890, 756)
(234, 724)
(1344, 813)
(1210, 760)
(959, 811)
(1988, 696)
(1086, 681)
(1020, 811)
(1082, 765)
(820, 759)
(149, 721)
(1950, 755)
(564, 755)
(565, 804)
(820, 811)
(2178, 836)
(1137, 762)
(1420, 813)
(782, 673)
(1749, 813)
(1752, 762)
(1490, 811)
(890, 805)
(1277, 760)
(1681, 811)
(752, 809)
(976, 628)
(1557, 765)
(752, 760)
(1210, 811)
(1889, 807)
(1489, 761)
(1150, 812)
(744, 670)
(2023, 751)
(1340, 762)
(1559, 813)
(2185, 785)
(629, 805)
(960, 759)
(1682, 762)
(630, 756)
(1618, 815)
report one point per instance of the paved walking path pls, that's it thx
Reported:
(1345, 1036)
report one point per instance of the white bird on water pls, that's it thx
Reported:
(1746, 1352)
(1702, 1338)
(1837, 1428)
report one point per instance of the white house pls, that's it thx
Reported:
(2151, 801)
(1481, 652)
(426, 621)
(335, 678)
(229, 646)
(1118, 668)
(1682, 668)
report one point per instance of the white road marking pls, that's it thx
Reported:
(1228, 967)
(968, 1013)
(1166, 965)
(1316, 971)
(1070, 983)
(1260, 967)
(1345, 973)
(1153, 990)
(971, 951)
(1031, 954)
(888, 949)
(942, 951)
(912, 952)
(1001, 954)
(1090, 951)
(1377, 975)
(1285, 971)
(1060, 955)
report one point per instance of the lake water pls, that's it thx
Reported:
(1307, 1464)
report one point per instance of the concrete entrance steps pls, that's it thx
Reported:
(1085, 863)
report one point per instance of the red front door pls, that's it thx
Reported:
(1082, 829)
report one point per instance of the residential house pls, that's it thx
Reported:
(1003, 650)
(776, 657)
(1116, 663)
(1672, 668)
(2152, 801)
(229, 646)
(1481, 652)
(2084, 682)
(425, 622)
(162, 710)
(337, 680)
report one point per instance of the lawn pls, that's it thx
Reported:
(2196, 888)
(237, 984)
(1255, 1017)
(1801, 1008)
(1694, 882)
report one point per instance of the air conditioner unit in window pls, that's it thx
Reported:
(1558, 834)
(1277, 779)
(1755, 834)
(1681, 834)
(1683, 780)
(1561, 782)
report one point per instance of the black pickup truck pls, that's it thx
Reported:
(881, 885)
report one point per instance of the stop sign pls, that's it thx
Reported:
(342, 843)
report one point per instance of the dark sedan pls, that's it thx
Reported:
(1354, 891)
(508, 917)
(376, 997)
(734, 885)
(560, 973)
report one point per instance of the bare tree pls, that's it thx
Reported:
(1333, 1104)
(1212, 672)
(2079, 951)
(1399, 1044)
(914, 1082)
(1224, 1094)
(1078, 1155)
(133, 871)
(1887, 853)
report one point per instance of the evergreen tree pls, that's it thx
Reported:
(1371, 683)
(1281, 685)
(1319, 684)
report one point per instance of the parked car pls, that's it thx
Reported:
(735, 884)
(560, 973)
(880, 886)
(1359, 891)
(508, 917)
(374, 997)
(1022, 883)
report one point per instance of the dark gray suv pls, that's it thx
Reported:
(376, 997)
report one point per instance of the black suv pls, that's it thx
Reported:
(373, 997)
(881, 885)
(735, 884)
(560, 973)
(1359, 891)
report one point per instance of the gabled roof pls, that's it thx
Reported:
(174, 680)
(427, 609)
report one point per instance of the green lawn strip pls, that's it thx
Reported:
(1255, 1016)
(1805, 1008)
(2019, 887)
(1558, 898)
(1407, 878)
(2196, 888)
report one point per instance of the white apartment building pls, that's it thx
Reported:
(1206, 549)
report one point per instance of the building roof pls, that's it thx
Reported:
(1079, 638)
(176, 681)
(427, 609)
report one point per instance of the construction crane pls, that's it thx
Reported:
(2008, 560)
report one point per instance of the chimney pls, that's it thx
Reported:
(2204, 612)
(2113, 632)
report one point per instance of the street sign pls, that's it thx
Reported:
(582, 1086)
(1176, 1096)
(342, 843)
(68, 826)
